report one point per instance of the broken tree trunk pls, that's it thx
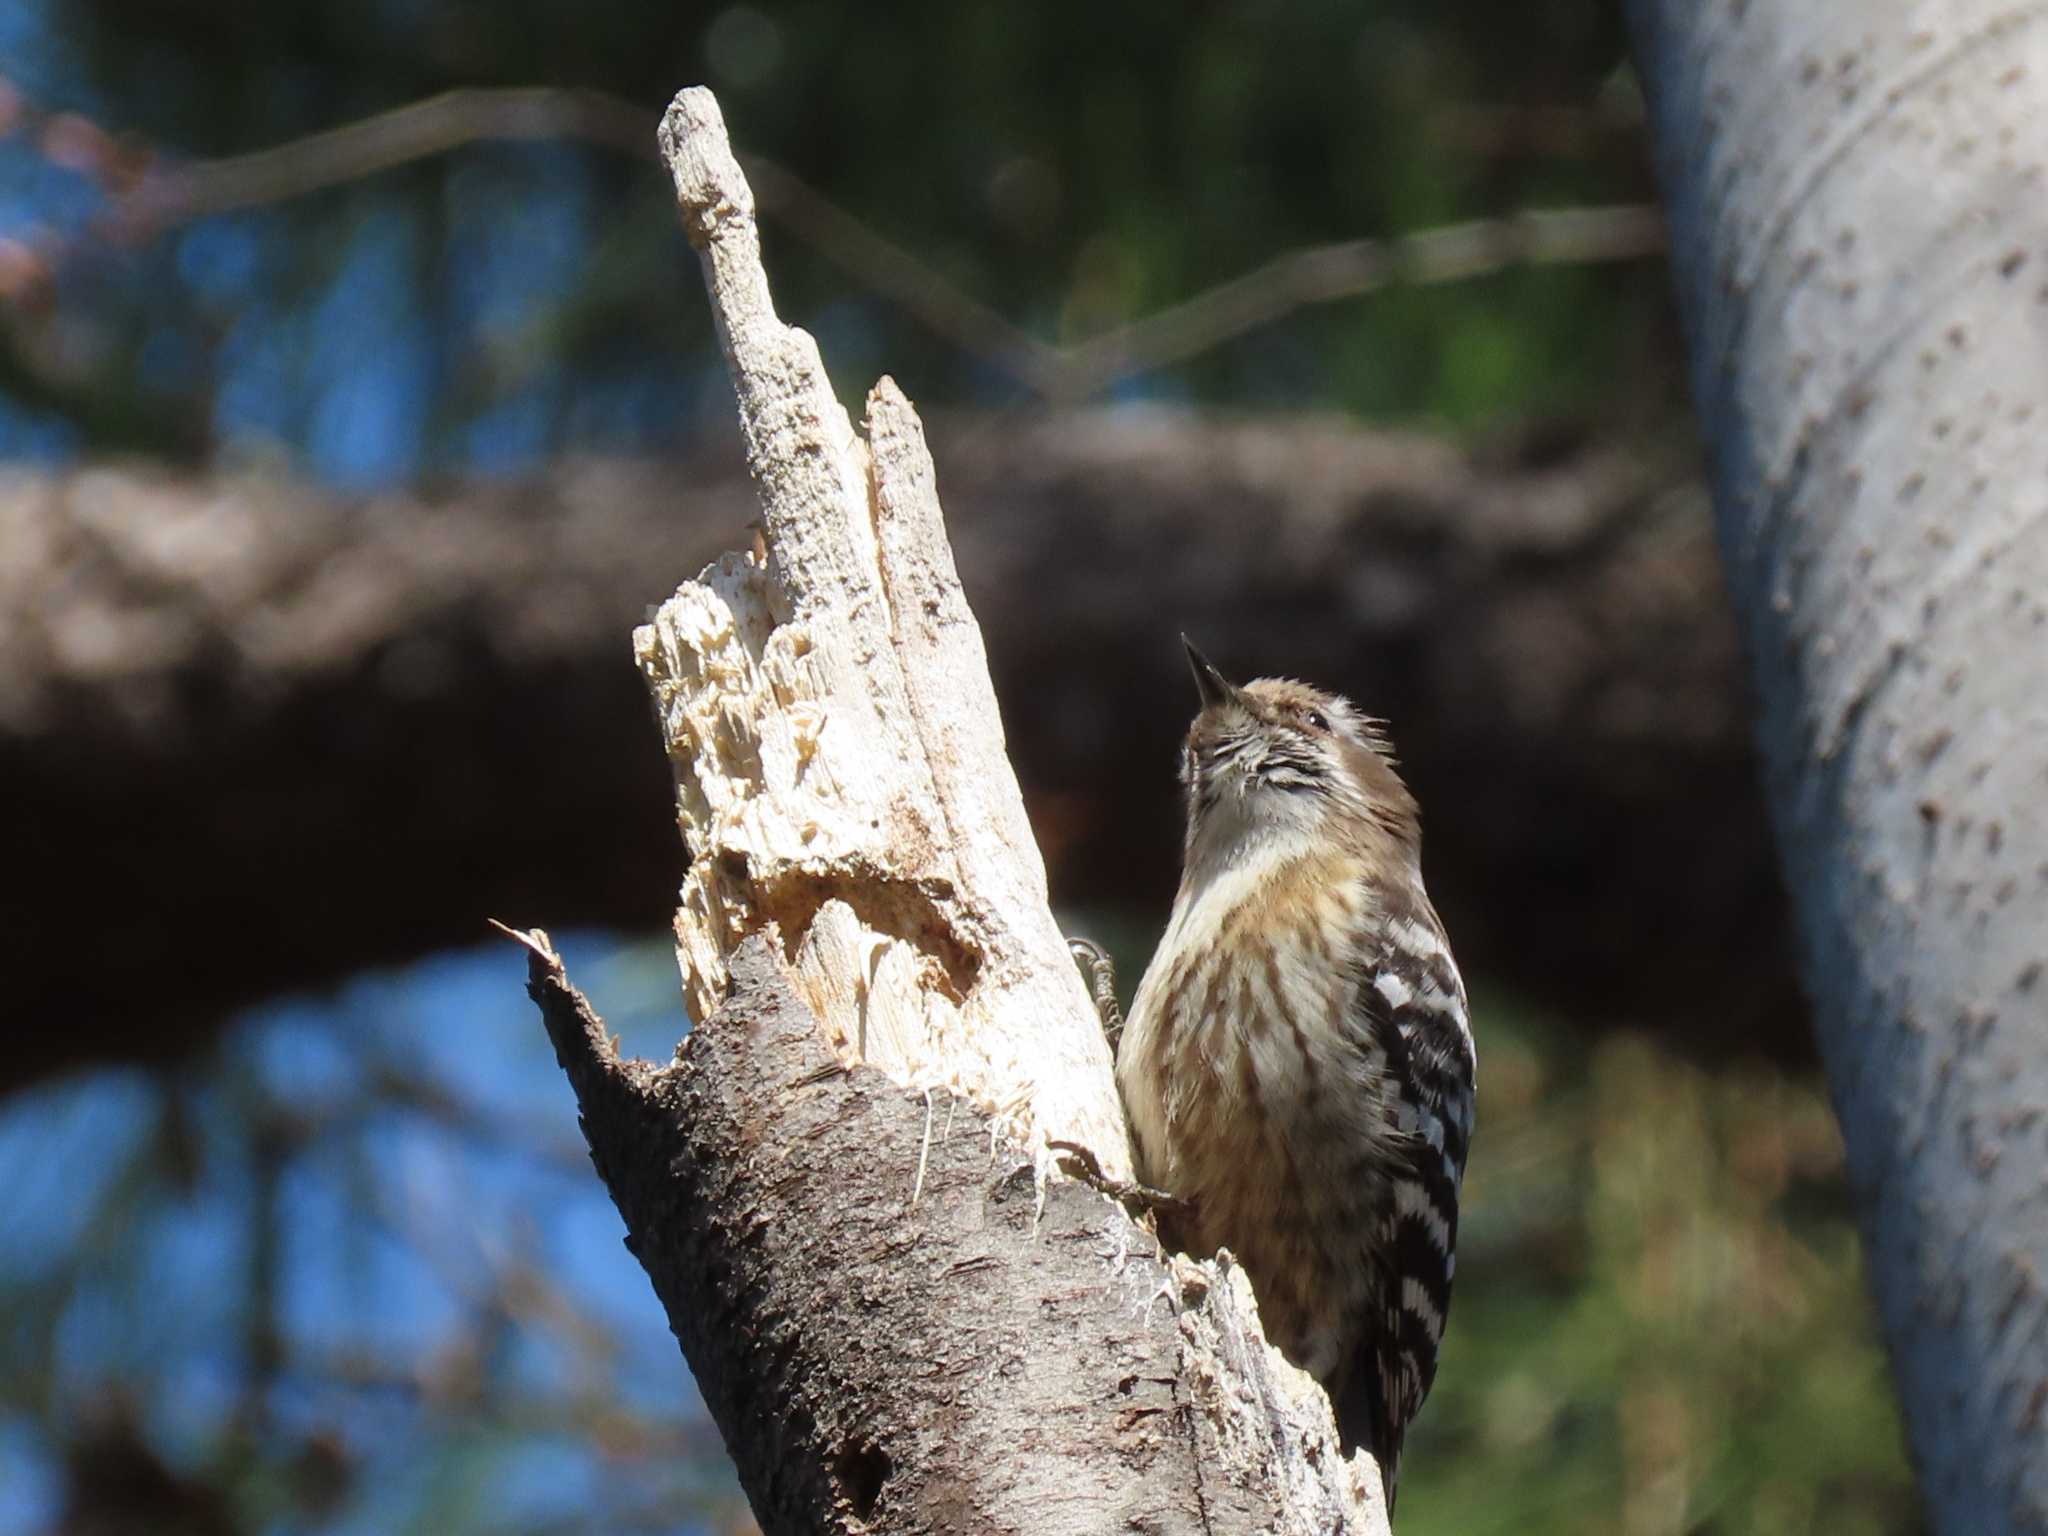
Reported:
(901, 1314)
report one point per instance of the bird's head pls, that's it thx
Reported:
(1275, 762)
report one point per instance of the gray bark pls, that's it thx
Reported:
(894, 1328)
(1861, 240)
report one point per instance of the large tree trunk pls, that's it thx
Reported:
(1861, 235)
(903, 1318)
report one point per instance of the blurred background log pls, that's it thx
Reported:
(1540, 618)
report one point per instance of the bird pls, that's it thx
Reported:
(1297, 1066)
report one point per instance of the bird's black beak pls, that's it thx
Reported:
(1215, 687)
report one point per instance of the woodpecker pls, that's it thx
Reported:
(1298, 1067)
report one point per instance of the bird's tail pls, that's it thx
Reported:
(1364, 1418)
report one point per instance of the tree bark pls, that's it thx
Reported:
(1862, 252)
(899, 1327)
(898, 1332)
(208, 685)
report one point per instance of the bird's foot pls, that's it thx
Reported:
(1101, 986)
(1082, 1163)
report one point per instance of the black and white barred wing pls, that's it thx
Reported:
(1418, 1002)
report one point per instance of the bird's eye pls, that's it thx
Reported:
(1317, 719)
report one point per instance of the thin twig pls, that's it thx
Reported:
(179, 193)
(1324, 274)
(168, 194)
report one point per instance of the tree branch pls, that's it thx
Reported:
(1324, 274)
(210, 682)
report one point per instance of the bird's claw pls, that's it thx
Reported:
(1101, 986)
(1082, 1163)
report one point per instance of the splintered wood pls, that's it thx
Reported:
(839, 760)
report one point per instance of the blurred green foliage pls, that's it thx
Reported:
(1072, 166)
(1661, 1322)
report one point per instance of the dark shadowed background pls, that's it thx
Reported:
(350, 423)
